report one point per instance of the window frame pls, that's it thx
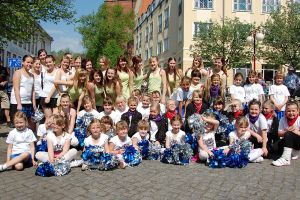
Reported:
(238, 3)
(197, 4)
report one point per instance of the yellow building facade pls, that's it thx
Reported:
(166, 28)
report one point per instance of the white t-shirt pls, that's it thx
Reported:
(144, 111)
(209, 140)
(139, 138)
(283, 124)
(153, 130)
(42, 131)
(20, 140)
(113, 115)
(101, 142)
(119, 143)
(94, 112)
(259, 125)
(279, 92)
(182, 95)
(58, 142)
(177, 138)
(233, 136)
(253, 91)
(238, 92)
(119, 114)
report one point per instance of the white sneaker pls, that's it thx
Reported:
(259, 159)
(76, 163)
(295, 154)
(84, 167)
(281, 162)
(1, 168)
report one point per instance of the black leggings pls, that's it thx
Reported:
(291, 140)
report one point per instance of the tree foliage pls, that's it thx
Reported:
(19, 19)
(282, 38)
(228, 40)
(59, 54)
(106, 32)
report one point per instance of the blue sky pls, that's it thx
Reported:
(66, 36)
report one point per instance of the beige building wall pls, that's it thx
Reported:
(182, 26)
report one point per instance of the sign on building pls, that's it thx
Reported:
(14, 63)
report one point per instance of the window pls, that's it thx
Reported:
(201, 27)
(270, 5)
(180, 34)
(242, 5)
(140, 40)
(160, 23)
(167, 16)
(151, 31)
(166, 44)
(159, 48)
(179, 7)
(204, 4)
(147, 34)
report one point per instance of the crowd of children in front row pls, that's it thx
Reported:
(270, 125)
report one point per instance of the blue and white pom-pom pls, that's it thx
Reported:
(144, 148)
(225, 127)
(193, 141)
(60, 167)
(131, 156)
(237, 157)
(196, 124)
(80, 134)
(108, 162)
(42, 146)
(178, 154)
(92, 155)
(154, 151)
(81, 126)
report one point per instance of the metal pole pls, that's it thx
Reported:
(254, 51)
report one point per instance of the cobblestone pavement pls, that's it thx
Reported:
(154, 180)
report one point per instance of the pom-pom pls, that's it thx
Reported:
(196, 124)
(81, 126)
(144, 148)
(131, 156)
(80, 134)
(167, 156)
(108, 162)
(154, 151)
(62, 167)
(45, 169)
(182, 153)
(42, 147)
(92, 155)
(193, 141)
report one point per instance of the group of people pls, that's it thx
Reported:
(114, 107)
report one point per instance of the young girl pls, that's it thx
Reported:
(36, 70)
(49, 93)
(67, 111)
(23, 94)
(289, 127)
(104, 64)
(197, 105)
(273, 122)
(173, 75)
(132, 116)
(171, 112)
(258, 126)
(120, 107)
(213, 89)
(236, 91)
(141, 134)
(183, 94)
(20, 150)
(158, 125)
(87, 65)
(157, 78)
(241, 132)
(252, 89)
(63, 76)
(118, 143)
(279, 94)
(108, 110)
(58, 143)
(137, 93)
(96, 89)
(97, 139)
(175, 135)
(88, 109)
(109, 126)
(112, 86)
(144, 106)
(207, 141)
(220, 69)
(235, 111)
(196, 83)
(137, 69)
(125, 75)
(79, 88)
(43, 129)
(198, 64)
(42, 54)
(156, 99)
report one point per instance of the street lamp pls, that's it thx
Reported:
(256, 35)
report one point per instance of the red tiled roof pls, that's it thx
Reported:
(144, 7)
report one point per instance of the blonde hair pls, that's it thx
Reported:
(132, 99)
(95, 121)
(242, 121)
(143, 124)
(80, 72)
(60, 121)
(156, 106)
(121, 125)
(177, 117)
(197, 93)
(21, 115)
(208, 86)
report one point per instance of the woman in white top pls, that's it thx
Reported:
(42, 54)
(63, 76)
(36, 70)
(22, 94)
(49, 93)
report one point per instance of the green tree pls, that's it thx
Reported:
(227, 40)
(282, 38)
(59, 54)
(106, 32)
(19, 19)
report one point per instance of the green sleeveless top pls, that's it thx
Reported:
(99, 95)
(75, 94)
(172, 83)
(137, 82)
(110, 91)
(124, 77)
(155, 82)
